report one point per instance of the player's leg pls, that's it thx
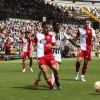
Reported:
(24, 61)
(38, 78)
(84, 69)
(46, 76)
(56, 76)
(23, 65)
(57, 58)
(5, 58)
(87, 57)
(9, 54)
(78, 62)
(53, 65)
(52, 75)
(30, 63)
(43, 66)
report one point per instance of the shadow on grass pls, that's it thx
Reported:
(95, 94)
(31, 87)
(70, 79)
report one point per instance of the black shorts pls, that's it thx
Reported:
(7, 52)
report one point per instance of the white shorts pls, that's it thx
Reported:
(57, 57)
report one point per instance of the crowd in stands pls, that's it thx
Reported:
(14, 31)
(26, 8)
(94, 11)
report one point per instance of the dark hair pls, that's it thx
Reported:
(86, 19)
(27, 32)
(55, 23)
(45, 23)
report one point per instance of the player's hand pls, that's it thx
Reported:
(49, 45)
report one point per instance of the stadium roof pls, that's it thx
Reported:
(79, 1)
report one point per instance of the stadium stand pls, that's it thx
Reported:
(22, 16)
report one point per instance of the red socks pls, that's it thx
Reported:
(84, 69)
(77, 66)
(23, 64)
(48, 80)
(30, 63)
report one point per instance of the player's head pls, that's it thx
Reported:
(56, 26)
(86, 23)
(27, 34)
(46, 27)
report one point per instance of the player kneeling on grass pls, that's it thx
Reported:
(45, 42)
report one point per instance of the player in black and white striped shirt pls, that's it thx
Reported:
(57, 52)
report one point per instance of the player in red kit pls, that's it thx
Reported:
(45, 42)
(7, 49)
(85, 36)
(25, 46)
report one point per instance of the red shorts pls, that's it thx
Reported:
(86, 54)
(47, 60)
(25, 54)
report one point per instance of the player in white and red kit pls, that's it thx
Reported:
(45, 42)
(25, 45)
(59, 35)
(85, 36)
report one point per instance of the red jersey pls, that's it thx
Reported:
(7, 46)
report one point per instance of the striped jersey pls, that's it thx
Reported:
(59, 36)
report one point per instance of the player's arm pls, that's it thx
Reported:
(53, 45)
(20, 48)
(95, 41)
(71, 40)
(33, 44)
(32, 49)
(94, 37)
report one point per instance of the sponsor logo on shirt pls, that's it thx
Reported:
(43, 41)
(85, 36)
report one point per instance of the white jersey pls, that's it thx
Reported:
(59, 38)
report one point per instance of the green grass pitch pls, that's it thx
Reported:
(16, 85)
